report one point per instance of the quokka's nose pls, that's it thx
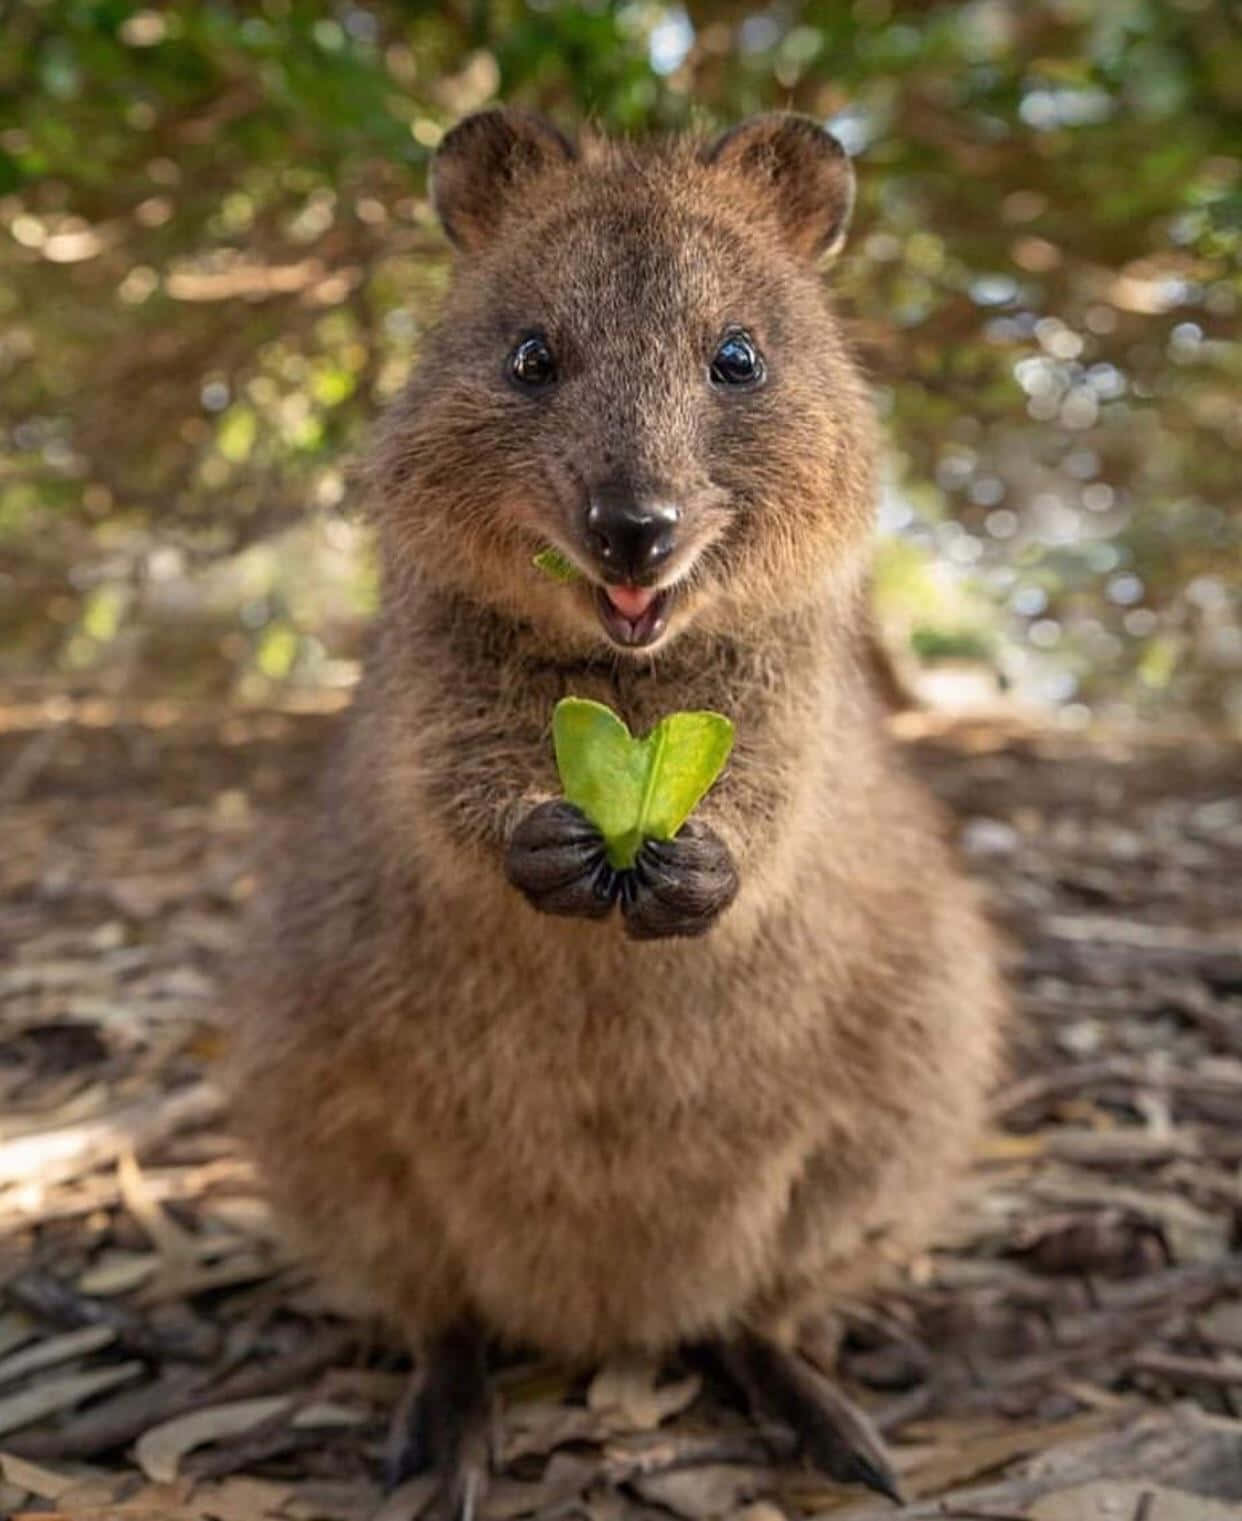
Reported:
(631, 539)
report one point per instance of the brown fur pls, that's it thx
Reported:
(469, 1108)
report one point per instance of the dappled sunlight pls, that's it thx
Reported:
(219, 259)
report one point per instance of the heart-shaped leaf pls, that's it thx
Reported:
(636, 789)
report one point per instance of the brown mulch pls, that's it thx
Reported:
(1072, 1348)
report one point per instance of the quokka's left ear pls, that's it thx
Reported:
(484, 164)
(801, 169)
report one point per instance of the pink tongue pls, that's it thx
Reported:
(630, 601)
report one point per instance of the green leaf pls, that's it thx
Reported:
(688, 753)
(603, 768)
(553, 563)
(636, 789)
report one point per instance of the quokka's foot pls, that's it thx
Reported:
(445, 1427)
(830, 1430)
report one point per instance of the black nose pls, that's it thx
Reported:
(631, 539)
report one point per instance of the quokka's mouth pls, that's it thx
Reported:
(633, 616)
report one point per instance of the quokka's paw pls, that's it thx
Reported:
(444, 1429)
(678, 886)
(829, 1430)
(556, 858)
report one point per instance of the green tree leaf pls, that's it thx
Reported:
(637, 789)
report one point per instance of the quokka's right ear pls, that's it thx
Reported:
(483, 162)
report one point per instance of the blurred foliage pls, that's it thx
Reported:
(216, 258)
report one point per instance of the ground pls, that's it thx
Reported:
(1072, 1348)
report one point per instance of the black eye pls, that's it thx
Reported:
(531, 364)
(737, 361)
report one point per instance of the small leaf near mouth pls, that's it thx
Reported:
(553, 563)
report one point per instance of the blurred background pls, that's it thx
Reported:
(217, 260)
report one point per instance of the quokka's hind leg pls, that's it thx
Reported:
(445, 1425)
(777, 1382)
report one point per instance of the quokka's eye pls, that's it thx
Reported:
(531, 364)
(737, 362)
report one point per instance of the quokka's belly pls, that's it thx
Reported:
(610, 1147)
(628, 1241)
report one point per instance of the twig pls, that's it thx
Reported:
(1132, 1314)
(121, 1420)
(47, 1298)
(1224, 1078)
(53, 1156)
(1224, 1372)
(31, 759)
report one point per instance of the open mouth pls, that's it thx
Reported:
(633, 615)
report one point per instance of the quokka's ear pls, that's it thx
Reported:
(801, 169)
(483, 162)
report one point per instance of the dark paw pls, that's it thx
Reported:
(679, 886)
(556, 858)
(840, 1440)
(444, 1430)
(831, 1431)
